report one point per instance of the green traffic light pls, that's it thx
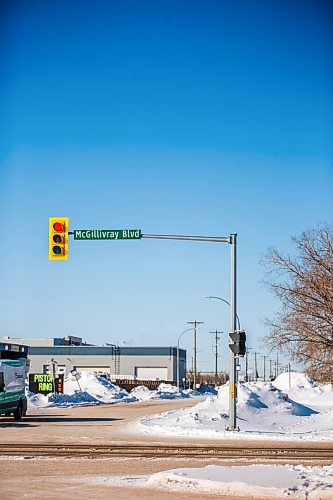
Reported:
(56, 250)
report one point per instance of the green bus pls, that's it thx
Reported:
(13, 374)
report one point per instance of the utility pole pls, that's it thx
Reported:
(256, 375)
(195, 323)
(216, 352)
(270, 368)
(247, 363)
(264, 368)
(277, 364)
(289, 374)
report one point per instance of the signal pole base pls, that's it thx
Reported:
(236, 429)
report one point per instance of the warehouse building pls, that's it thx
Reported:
(61, 355)
(9, 350)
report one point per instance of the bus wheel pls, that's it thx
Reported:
(18, 413)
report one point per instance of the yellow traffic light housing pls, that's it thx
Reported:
(58, 238)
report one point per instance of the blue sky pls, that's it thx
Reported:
(180, 117)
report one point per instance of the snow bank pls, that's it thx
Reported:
(93, 389)
(164, 391)
(168, 391)
(263, 411)
(295, 380)
(249, 481)
(90, 389)
(301, 387)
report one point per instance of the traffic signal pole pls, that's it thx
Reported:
(232, 240)
(233, 327)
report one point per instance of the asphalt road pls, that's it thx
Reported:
(102, 424)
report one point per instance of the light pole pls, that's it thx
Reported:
(54, 363)
(180, 336)
(233, 318)
(264, 367)
(256, 374)
(195, 323)
(277, 364)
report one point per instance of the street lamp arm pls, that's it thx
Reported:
(215, 297)
(187, 330)
(180, 336)
(226, 302)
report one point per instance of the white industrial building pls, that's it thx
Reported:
(116, 362)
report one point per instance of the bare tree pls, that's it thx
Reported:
(304, 285)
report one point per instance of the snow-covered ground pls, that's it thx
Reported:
(297, 482)
(291, 408)
(295, 409)
(248, 481)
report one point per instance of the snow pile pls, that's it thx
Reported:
(294, 380)
(263, 411)
(93, 389)
(299, 386)
(204, 390)
(142, 393)
(89, 389)
(103, 390)
(168, 391)
(249, 481)
(164, 391)
(207, 389)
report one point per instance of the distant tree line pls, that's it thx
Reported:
(207, 378)
(303, 283)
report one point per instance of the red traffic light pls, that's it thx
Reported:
(57, 226)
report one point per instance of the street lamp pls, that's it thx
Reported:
(226, 302)
(187, 330)
(233, 320)
(54, 363)
(195, 323)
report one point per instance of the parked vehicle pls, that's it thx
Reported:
(13, 374)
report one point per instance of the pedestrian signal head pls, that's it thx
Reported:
(238, 346)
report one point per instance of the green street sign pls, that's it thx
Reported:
(107, 234)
